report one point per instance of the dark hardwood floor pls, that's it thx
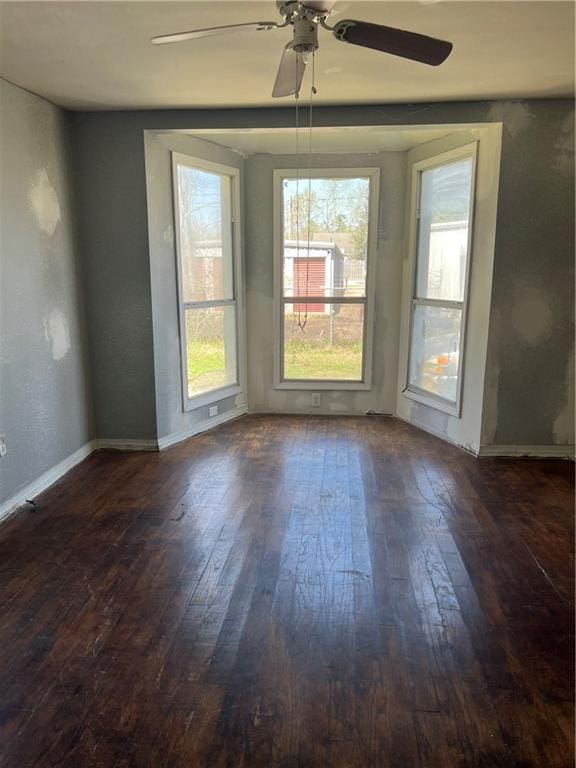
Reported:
(291, 592)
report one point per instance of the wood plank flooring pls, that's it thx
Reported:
(291, 592)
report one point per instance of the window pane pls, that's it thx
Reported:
(328, 346)
(435, 349)
(334, 262)
(211, 348)
(443, 231)
(204, 216)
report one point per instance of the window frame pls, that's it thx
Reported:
(412, 391)
(229, 390)
(367, 301)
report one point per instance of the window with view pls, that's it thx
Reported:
(204, 202)
(324, 274)
(440, 286)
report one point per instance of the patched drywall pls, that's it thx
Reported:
(531, 315)
(530, 401)
(44, 202)
(57, 333)
(44, 388)
(518, 116)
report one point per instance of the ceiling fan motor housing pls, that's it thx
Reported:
(305, 35)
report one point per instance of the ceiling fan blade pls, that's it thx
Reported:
(194, 34)
(290, 73)
(399, 42)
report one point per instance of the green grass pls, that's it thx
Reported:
(204, 357)
(316, 360)
(309, 360)
(205, 366)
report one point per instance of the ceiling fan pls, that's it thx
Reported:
(305, 17)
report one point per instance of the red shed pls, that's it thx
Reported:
(317, 270)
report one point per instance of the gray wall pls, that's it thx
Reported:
(110, 187)
(528, 386)
(530, 391)
(44, 396)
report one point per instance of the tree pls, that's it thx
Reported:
(337, 206)
(296, 213)
(200, 207)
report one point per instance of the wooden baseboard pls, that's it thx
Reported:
(48, 478)
(121, 444)
(202, 426)
(529, 451)
(40, 484)
(437, 433)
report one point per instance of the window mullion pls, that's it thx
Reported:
(324, 299)
(442, 303)
(209, 304)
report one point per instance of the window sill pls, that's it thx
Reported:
(209, 398)
(352, 386)
(453, 409)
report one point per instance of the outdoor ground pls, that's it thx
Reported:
(309, 352)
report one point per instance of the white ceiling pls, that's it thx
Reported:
(281, 141)
(97, 55)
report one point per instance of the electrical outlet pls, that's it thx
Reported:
(3, 448)
(316, 399)
(213, 410)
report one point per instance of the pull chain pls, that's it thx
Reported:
(296, 287)
(302, 323)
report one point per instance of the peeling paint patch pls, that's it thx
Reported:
(44, 202)
(57, 333)
(531, 316)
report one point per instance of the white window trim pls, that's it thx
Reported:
(230, 390)
(410, 390)
(373, 174)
